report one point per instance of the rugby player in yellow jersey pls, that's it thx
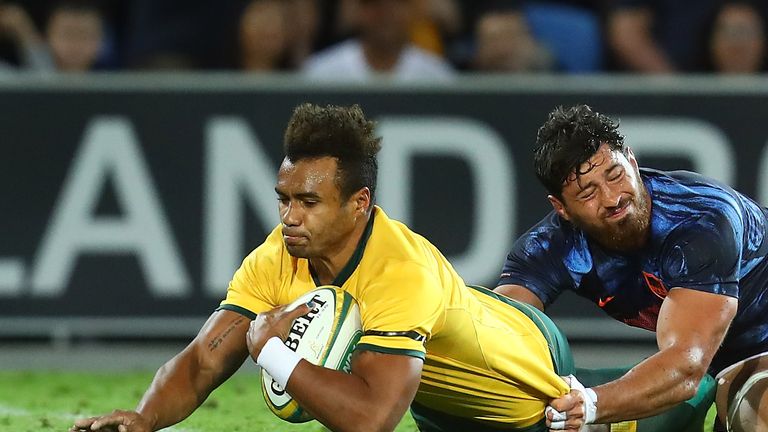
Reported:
(463, 359)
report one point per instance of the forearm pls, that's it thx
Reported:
(176, 391)
(660, 382)
(344, 402)
(183, 383)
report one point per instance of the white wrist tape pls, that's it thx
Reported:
(278, 360)
(590, 400)
(590, 404)
(559, 418)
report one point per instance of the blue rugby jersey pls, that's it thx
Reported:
(704, 236)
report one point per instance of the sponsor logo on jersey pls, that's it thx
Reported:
(655, 285)
(604, 301)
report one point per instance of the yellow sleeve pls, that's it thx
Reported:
(252, 288)
(400, 310)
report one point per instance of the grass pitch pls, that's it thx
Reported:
(51, 401)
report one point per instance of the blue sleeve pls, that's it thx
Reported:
(536, 264)
(705, 255)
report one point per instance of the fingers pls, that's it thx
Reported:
(118, 420)
(110, 420)
(84, 423)
(555, 419)
(300, 311)
(565, 412)
(566, 402)
(278, 316)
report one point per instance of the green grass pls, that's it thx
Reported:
(50, 401)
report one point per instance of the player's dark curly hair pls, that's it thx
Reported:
(568, 138)
(341, 132)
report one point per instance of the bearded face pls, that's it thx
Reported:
(608, 201)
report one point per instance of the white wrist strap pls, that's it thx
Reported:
(590, 405)
(590, 400)
(278, 360)
(559, 418)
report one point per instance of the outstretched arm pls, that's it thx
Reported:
(521, 294)
(185, 381)
(690, 328)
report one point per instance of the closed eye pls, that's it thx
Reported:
(587, 194)
(616, 174)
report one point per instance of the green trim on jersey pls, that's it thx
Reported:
(354, 260)
(562, 358)
(385, 350)
(241, 310)
(429, 420)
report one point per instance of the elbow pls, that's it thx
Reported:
(690, 375)
(366, 426)
(368, 422)
(688, 389)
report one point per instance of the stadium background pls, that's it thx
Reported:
(130, 200)
(133, 188)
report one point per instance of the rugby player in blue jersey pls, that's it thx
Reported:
(672, 252)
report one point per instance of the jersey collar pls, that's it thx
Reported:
(354, 260)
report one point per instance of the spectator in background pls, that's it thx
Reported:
(25, 40)
(75, 35)
(263, 36)
(503, 43)
(182, 34)
(736, 39)
(657, 36)
(305, 23)
(433, 22)
(436, 20)
(383, 48)
(72, 41)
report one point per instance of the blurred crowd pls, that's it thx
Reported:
(355, 40)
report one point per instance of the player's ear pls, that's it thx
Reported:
(631, 158)
(559, 207)
(362, 200)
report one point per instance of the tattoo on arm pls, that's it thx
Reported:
(217, 341)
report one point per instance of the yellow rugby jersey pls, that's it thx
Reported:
(483, 359)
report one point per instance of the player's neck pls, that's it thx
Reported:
(329, 266)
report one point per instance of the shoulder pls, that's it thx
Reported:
(398, 256)
(685, 197)
(271, 251)
(550, 232)
(393, 239)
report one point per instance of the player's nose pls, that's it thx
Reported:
(291, 215)
(610, 197)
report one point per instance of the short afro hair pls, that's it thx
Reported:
(340, 132)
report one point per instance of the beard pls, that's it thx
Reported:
(627, 235)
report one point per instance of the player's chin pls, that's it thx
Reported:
(297, 251)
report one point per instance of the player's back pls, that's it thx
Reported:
(485, 359)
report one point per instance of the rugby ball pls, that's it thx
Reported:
(326, 336)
